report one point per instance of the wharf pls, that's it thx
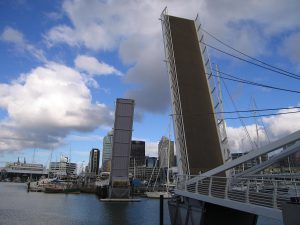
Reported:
(120, 199)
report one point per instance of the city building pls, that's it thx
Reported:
(14, 166)
(146, 173)
(94, 161)
(151, 162)
(289, 164)
(248, 164)
(107, 151)
(22, 171)
(63, 168)
(137, 154)
(165, 146)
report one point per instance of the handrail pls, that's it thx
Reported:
(285, 141)
(270, 193)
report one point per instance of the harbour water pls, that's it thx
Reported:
(17, 206)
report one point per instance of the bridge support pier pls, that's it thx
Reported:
(290, 213)
(187, 211)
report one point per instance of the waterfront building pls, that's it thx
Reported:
(63, 168)
(14, 166)
(18, 171)
(107, 151)
(94, 161)
(163, 150)
(137, 154)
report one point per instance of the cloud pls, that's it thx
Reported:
(151, 148)
(46, 105)
(11, 35)
(15, 37)
(133, 29)
(94, 67)
(87, 138)
(277, 127)
(152, 93)
(291, 48)
(281, 125)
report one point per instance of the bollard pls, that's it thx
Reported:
(161, 211)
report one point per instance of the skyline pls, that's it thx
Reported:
(63, 64)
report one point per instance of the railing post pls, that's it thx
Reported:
(196, 187)
(275, 195)
(226, 188)
(209, 187)
(247, 191)
(185, 183)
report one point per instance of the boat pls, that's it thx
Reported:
(157, 194)
(39, 186)
(62, 188)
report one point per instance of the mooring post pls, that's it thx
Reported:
(161, 210)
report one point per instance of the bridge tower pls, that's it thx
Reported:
(201, 142)
(119, 180)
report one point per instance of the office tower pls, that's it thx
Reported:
(137, 154)
(106, 152)
(94, 161)
(151, 162)
(165, 152)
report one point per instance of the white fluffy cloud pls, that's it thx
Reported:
(94, 67)
(45, 105)
(284, 124)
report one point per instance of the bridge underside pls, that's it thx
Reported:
(184, 210)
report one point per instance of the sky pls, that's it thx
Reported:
(64, 63)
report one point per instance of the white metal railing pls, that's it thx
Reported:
(271, 193)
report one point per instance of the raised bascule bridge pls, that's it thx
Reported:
(207, 191)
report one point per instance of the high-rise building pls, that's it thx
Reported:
(165, 146)
(107, 150)
(137, 154)
(94, 161)
(151, 162)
